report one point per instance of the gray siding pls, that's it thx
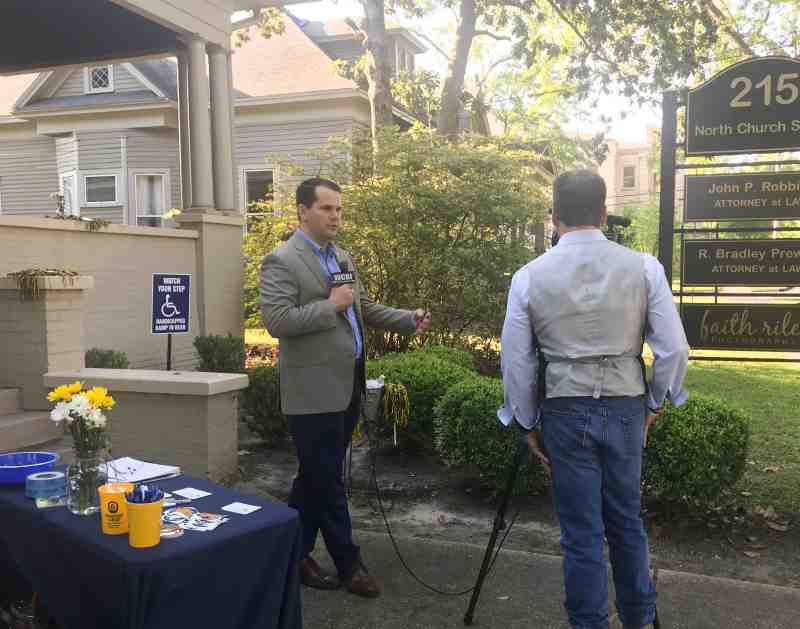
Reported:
(124, 81)
(66, 153)
(72, 86)
(100, 150)
(115, 215)
(255, 143)
(28, 175)
(157, 149)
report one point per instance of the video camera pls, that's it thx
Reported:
(615, 226)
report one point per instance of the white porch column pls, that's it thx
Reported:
(185, 142)
(200, 128)
(221, 128)
(234, 165)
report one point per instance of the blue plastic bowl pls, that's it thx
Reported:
(16, 466)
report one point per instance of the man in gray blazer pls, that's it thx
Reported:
(313, 302)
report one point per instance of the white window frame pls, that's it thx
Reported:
(635, 176)
(87, 80)
(243, 170)
(118, 192)
(76, 206)
(167, 193)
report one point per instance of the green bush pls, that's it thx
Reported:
(220, 354)
(468, 433)
(455, 355)
(426, 378)
(105, 359)
(261, 404)
(696, 452)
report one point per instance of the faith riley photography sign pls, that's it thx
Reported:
(741, 262)
(754, 196)
(740, 326)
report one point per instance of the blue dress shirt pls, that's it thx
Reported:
(330, 264)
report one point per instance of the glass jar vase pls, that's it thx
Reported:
(84, 476)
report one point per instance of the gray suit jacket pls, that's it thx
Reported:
(316, 343)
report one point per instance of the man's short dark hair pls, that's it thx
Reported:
(579, 197)
(307, 191)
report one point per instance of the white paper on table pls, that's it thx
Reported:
(240, 508)
(129, 470)
(191, 493)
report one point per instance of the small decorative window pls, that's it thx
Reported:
(99, 79)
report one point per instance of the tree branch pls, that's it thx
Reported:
(724, 22)
(493, 35)
(597, 52)
(435, 46)
(492, 67)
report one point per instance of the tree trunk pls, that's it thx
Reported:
(379, 73)
(457, 69)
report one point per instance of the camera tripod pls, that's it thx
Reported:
(499, 524)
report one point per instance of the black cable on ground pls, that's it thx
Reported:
(403, 562)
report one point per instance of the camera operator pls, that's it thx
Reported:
(588, 303)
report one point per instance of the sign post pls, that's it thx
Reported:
(170, 307)
(748, 108)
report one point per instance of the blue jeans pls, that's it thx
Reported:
(595, 448)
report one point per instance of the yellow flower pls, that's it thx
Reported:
(60, 394)
(75, 388)
(99, 398)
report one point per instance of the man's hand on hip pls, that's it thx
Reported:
(342, 297)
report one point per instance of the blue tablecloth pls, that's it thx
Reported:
(243, 575)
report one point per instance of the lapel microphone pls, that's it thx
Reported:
(344, 276)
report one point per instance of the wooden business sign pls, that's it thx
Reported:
(742, 326)
(742, 197)
(741, 262)
(750, 107)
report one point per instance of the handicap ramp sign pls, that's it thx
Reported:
(170, 313)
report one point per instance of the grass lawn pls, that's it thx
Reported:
(770, 394)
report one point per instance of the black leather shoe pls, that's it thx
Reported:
(314, 576)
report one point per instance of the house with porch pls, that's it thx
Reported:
(107, 136)
(125, 119)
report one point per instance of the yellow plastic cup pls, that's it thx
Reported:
(144, 524)
(114, 507)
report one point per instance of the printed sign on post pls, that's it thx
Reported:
(170, 303)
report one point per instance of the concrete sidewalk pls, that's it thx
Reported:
(524, 591)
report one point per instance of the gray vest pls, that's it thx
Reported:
(588, 303)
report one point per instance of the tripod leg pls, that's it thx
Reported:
(499, 520)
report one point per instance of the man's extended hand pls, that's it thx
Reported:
(423, 320)
(536, 450)
(341, 296)
(649, 420)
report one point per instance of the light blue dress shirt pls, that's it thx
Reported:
(664, 335)
(330, 264)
